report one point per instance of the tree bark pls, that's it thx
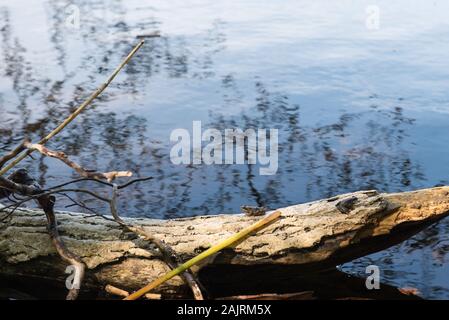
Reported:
(310, 238)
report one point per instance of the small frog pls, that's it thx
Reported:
(253, 211)
(346, 205)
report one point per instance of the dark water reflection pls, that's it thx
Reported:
(355, 108)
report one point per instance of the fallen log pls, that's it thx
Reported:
(311, 237)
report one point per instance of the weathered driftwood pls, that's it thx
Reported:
(311, 237)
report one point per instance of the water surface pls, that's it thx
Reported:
(356, 108)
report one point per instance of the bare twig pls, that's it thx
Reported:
(79, 204)
(76, 181)
(100, 182)
(22, 183)
(72, 116)
(8, 214)
(12, 154)
(109, 176)
(155, 34)
(116, 291)
(304, 295)
(8, 187)
(11, 186)
(56, 191)
(133, 181)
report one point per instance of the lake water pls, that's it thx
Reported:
(358, 105)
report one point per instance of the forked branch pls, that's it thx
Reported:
(109, 176)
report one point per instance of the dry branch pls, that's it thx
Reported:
(21, 183)
(73, 115)
(233, 239)
(169, 256)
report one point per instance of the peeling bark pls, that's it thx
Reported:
(312, 237)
